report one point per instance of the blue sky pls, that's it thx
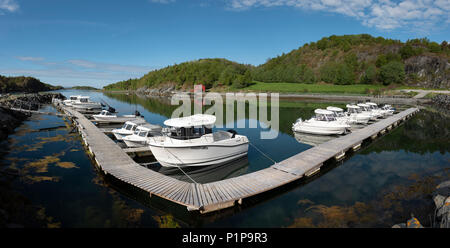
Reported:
(100, 42)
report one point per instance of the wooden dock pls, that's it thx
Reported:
(218, 195)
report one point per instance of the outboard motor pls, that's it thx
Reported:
(111, 110)
(233, 132)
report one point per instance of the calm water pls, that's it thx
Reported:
(380, 185)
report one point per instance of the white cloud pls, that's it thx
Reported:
(162, 1)
(381, 14)
(28, 58)
(9, 5)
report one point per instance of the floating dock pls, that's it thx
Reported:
(208, 197)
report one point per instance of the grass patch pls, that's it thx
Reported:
(359, 89)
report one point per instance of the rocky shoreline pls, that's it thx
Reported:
(442, 103)
(441, 215)
(10, 119)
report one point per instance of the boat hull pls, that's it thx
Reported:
(113, 119)
(313, 128)
(198, 155)
(121, 135)
(134, 143)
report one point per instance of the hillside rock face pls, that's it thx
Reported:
(432, 72)
(161, 90)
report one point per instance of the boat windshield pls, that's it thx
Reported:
(83, 100)
(143, 133)
(189, 132)
(325, 118)
(129, 127)
(73, 98)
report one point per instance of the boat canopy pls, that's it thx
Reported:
(331, 108)
(191, 121)
(352, 106)
(371, 103)
(363, 105)
(149, 127)
(323, 112)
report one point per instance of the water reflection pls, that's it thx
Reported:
(312, 139)
(206, 174)
(378, 186)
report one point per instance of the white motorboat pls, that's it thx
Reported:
(84, 103)
(324, 123)
(367, 110)
(356, 114)
(107, 116)
(127, 129)
(142, 135)
(375, 108)
(389, 109)
(191, 142)
(71, 100)
(341, 115)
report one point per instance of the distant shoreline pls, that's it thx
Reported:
(312, 96)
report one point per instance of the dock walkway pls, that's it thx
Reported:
(226, 193)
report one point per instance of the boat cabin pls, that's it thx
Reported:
(364, 107)
(74, 98)
(324, 115)
(148, 130)
(190, 127)
(353, 109)
(338, 112)
(84, 99)
(106, 113)
(372, 105)
(387, 107)
(130, 126)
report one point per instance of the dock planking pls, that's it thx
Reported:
(226, 193)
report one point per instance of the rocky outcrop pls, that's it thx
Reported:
(442, 103)
(10, 119)
(441, 198)
(162, 90)
(429, 71)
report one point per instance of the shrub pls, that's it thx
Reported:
(392, 73)
(370, 75)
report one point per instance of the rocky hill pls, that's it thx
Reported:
(24, 84)
(346, 59)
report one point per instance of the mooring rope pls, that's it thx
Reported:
(265, 155)
(180, 167)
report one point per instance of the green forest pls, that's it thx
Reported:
(339, 60)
